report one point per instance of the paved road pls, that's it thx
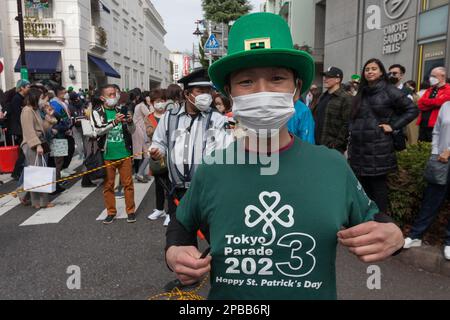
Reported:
(125, 261)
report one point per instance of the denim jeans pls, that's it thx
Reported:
(433, 199)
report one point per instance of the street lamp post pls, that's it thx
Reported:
(197, 33)
(19, 18)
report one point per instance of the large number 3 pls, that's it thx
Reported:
(302, 261)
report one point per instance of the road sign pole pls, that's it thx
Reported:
(211, 45)
(210, 51)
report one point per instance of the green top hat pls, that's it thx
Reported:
(262, 40)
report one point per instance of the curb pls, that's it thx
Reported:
(427, 258)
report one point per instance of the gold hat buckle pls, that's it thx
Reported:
(258, 43)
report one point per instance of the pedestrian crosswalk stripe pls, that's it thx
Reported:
(8, 203)
(140, 191)
(64, 204)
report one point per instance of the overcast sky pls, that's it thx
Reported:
(179, 19)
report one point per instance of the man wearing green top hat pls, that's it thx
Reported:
(354, 82)
(273, 236)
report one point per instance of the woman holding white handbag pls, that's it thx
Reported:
(34, 145)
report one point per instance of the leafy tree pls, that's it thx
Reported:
(225, 11)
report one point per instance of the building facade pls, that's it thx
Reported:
(413, 33)
(3, 75)
(87, 43)
(306, 20)
(182, 65)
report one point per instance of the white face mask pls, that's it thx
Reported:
(265, 112)
(203, 102)
(66, 96)
(111, 102)
(160, 106)
(42, 103)
(434, 81)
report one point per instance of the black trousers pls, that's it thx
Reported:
(377, 190)
(178, 195)
(161, 193)
(20, 163)
(426, 134)
(68, 159)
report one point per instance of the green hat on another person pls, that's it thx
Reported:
(22, 84)
(262, 40)
(356, 78)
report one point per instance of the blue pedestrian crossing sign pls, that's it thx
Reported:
(212, 43)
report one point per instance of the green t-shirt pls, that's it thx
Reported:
(115, 143)
(275, 237)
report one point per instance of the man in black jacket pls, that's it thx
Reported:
(332, 113)
(14, 127)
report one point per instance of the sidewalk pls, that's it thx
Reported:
(427, 258)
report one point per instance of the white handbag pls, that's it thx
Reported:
(59, 148)
(88, 129)
(35, 176)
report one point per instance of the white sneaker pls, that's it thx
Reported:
(412, 243)
(156, 215)
(447, 253)
(167, 221)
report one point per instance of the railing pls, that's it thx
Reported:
(99, 38)
(43, 30)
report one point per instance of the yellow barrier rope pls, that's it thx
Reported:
(72, 177)
(177, 294)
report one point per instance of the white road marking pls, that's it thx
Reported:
(8, 203)
(64, 204)
(140, 191)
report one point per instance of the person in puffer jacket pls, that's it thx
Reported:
(379, 109)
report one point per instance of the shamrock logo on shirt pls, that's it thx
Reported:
(269, 214)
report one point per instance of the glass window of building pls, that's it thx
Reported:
(41, 11)
(433, 56)
(431, 4)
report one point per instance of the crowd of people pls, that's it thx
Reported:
(366, 120)
(377, 114)
(368, 123)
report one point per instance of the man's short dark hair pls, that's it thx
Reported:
(58, 89)
(402, 68)
(107, 86)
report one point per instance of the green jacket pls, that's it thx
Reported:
(335, 130)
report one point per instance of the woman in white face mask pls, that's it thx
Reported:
(159, 102)
(141, 141)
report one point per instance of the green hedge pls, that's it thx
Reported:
(406, 188)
